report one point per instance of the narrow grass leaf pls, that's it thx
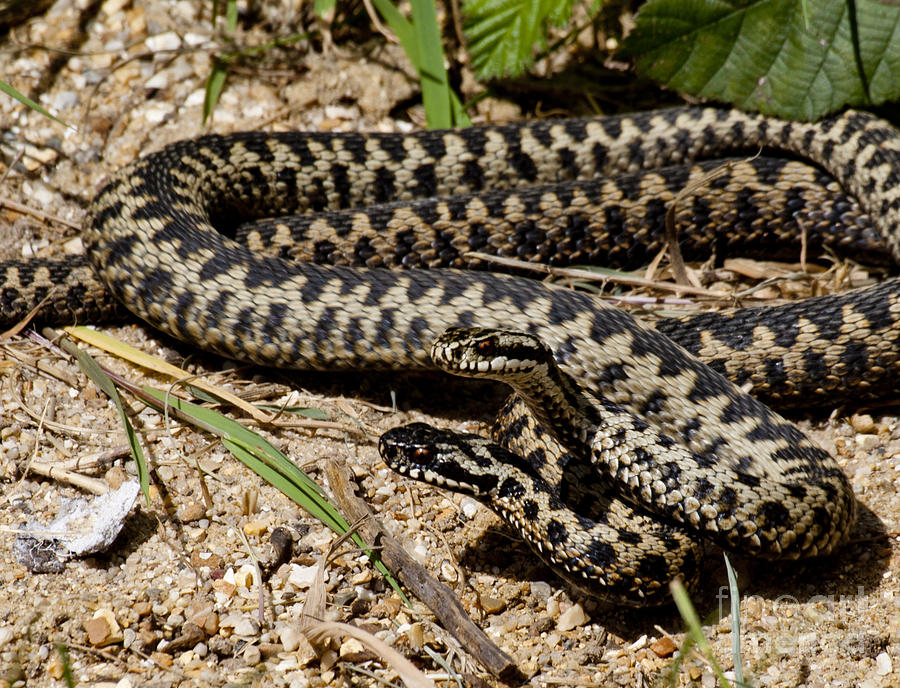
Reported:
(144, 360)
(735, 601)
(215, 82)
(430, 68)
(25, 100)
(305, 411)
(432, 74)
(102, 380)
(695, 630)
(267, 461)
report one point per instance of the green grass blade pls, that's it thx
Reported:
(231, 15)
(267, 461)
(25, 100)
(695, 630)
(323, 7)
(421, 41)
(735, 601)
(432, 75)
(93, 370)
(215, 82)
(232, 430)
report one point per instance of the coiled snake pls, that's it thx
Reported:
(152, 241)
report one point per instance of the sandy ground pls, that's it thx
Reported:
(175, 596)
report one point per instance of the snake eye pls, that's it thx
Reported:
(485, 346)
(422, 453)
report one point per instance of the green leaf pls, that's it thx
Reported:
(323, 7)
(93, 370)
(421, 42)
(215, 82)
(25, 100)
(432, 74)
(265, 459)
(790, 58)
(504, 34)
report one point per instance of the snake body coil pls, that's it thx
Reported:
(152, 239)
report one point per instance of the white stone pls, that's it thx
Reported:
(302, 576)
(6, 634)
(884, 664)
(163, 41)
(469, 507)
(573, 617)
(290, 638)
(246, 627)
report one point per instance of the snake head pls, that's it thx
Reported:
(489, 353)
(438, 457)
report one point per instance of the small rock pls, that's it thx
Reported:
(867, 443)
(664, 647)
(540, 625)
(246, 627)
(163, 658)
(305, 653)
(192, 511)
(351, 647)
(163, 41)
(220, 646)
(128, 637)
(862, 422)
(245, 576)
(638, 644)
(255, 528)
(55, 667)
(302, 576)
(883, 664)
(573, 617)
(541, 590)
(6, 634)
(210, 559)
(103, 629)
(416, 635)
(491, 605)
(290, 638)
(252, 655)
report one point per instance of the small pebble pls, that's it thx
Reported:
(884, 664)
(302, 576)
(664, 647)
(191, 511)
(255, 528)
(246, 627)
(252, 655)
(491, 605)
(573, 617)
(862, 422)
(128, 637)
(351, 646)
(98, 631)
(290, 638)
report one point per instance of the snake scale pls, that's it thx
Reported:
(152, 242)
